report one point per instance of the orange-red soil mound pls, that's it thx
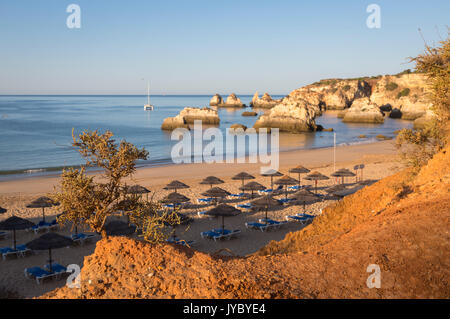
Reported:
(400, 223)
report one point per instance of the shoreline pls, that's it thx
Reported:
(318, 157)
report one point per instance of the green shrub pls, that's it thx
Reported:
(346, 88)
(391, 86)
(404, 92)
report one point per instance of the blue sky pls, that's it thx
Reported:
(206, 46)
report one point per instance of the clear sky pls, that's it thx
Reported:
(206, 46)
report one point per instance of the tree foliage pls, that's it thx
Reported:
(418, 146)
(89, 200)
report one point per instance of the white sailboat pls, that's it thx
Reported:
(148, 106)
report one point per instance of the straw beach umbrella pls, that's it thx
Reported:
(286, 181)
(216, 192)
(3, 210)
(176, 185)
(299, 170)
(14, 223)
(335, 188)
(343, 172)
(252, 186)
(242, 176)
(304, 196)
(119, 228)
(223, 210)
(42, 202)
(316, 176)
(48, 242)
(137, 190)
(175, 198)
(211, 180)
(266, 202)
(272, 173)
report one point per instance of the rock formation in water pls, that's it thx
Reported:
(216, 100)
(188, 115)
(363, 110)
(232, 101)
(289, 116)
(265, 102)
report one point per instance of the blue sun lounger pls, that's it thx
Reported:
(273, 223)
(205, 200)
(81, 238)
(257, 226)
(38, 273)
(2, 235)
(56, 268)
(246, 206)
(240, 195)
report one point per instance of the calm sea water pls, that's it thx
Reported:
(35, 131)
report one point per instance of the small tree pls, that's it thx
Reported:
(418, 146)
(89, 200)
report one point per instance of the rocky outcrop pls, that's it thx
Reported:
(237, 128)
(190, 114)
(216, 100)
(232, 101)
(364, 111)
(424, 120)
(249, 114)
(265, 102)
(332, 94)
(407, 92)
(289, 116)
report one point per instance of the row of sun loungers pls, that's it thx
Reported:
(217, 234)
(182, 242)
(40, 274)
(44, 226)
(23, 251)
(20, 251)
(265, 224)
(302, 218)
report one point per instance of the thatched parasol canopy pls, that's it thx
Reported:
(42, 202)
(243, 176)
(343, 172)
(14, 223)
(286, 181)
(252, 186)
(304, 196)
(175, 198)
(223, 210)
(335, 188)
(211, 180)
(50, 241)
(137, 190)
(316, 176)
(266, 202)
(175, 185)
(216, 192)
(272, 173)
(299, 170)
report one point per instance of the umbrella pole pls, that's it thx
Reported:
(266, 214)
(223, 224)
(271, 182)
(304, 207)
(14, 236)
(316, 185)
(50, 259)
(299, 180)
(43, 214)
(285, 191)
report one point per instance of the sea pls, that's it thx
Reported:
(36, 130)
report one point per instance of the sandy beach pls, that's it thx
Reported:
(379, 158)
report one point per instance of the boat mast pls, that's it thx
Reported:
(148, 92)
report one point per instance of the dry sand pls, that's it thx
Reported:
(379, 158)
